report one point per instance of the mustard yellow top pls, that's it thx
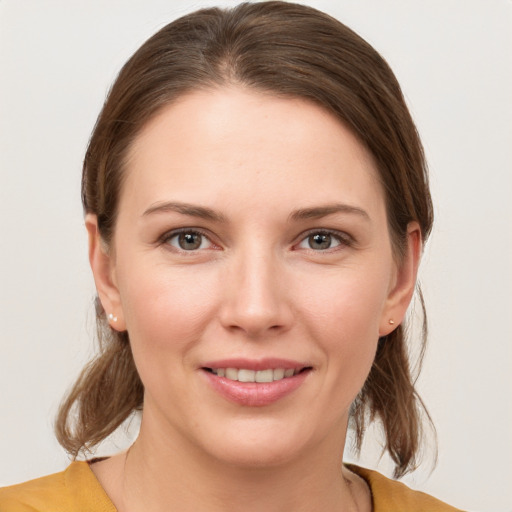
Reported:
(77, 490)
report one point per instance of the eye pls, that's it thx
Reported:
(322, 241)
(188, 240)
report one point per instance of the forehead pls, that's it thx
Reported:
(223, 144)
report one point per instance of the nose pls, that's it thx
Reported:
(256, 299)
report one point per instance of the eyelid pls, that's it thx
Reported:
(344, 239)
(168, 235)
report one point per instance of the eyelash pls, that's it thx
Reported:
(167, 237)
(343, 239)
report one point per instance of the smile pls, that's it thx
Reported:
(255, 383)
(246, 375)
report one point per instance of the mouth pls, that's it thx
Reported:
(255, 383)
(260, 376)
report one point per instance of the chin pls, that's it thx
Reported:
(262, 447)
(257, 456)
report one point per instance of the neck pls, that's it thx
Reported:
(160, 473)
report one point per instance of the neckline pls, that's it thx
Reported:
(81, 479)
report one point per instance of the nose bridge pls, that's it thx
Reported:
(256, 300)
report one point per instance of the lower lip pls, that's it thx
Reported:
(255, 394)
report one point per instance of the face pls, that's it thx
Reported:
(252, 268)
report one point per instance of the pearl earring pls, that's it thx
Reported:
(112, 317)
(391, 322)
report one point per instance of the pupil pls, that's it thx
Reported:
(320, 241)
(189, 241)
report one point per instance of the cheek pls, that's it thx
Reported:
(346, 302)
(344, 316)
(165, 310)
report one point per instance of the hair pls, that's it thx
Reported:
(287, 50)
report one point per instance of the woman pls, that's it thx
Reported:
(256, 201)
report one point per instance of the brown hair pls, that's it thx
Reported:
(287, 50)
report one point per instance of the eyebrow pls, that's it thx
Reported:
(186, 209)
(322, 211)
(203, 212)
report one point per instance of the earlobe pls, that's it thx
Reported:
(404, 284)
(102, 266)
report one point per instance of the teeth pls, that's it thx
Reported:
(264, 376)
(244, 375)
(278, 373)
(232, 373)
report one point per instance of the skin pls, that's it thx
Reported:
(257, 286)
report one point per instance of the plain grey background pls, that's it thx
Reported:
(454, 61)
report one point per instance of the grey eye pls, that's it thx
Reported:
(189, 241)
(320, 241)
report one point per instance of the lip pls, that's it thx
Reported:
(255, 364)
(254, 394)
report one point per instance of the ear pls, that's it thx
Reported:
(103, 265)
(404, 282)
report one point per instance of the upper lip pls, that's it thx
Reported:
(255, 364)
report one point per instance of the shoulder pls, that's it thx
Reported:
(71, 490)
(41, 494)
(392, 496)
